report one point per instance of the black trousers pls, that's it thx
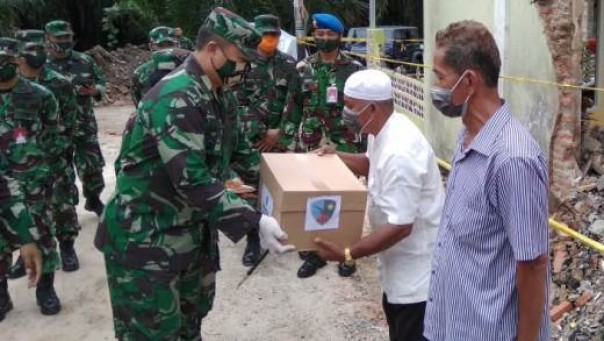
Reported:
(405, 321)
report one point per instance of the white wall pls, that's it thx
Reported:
(519, 33)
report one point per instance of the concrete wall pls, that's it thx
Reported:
(518, 31)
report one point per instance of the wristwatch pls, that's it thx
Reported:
(348, 257)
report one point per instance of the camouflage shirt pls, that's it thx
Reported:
(63, 91)
(310, 117)
(28, 135)
(176, 153)
(81, 70)
(264, 93)
(150, 72)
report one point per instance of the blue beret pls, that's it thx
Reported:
(328, 21)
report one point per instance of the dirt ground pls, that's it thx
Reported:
(271, 305)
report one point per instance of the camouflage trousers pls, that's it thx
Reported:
(13, 217)
(64, 199)
(41, 214)
(88, 158)
(160, 304)
(313, 133)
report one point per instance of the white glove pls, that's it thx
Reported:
(271, 236)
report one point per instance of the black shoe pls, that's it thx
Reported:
(346, 270)
(252, 252)
(69, 258)
(46, 296)
(304, 254)
(310, 266)
(17, 270)
(94, 204)
(6, 304)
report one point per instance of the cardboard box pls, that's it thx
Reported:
(313, 196)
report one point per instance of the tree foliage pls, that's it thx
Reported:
(115, 22)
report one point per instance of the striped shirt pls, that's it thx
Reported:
(495, 214)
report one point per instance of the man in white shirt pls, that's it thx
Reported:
(406, 197)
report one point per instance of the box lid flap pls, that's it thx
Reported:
(310, 172)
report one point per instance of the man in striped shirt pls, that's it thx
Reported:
(490, 267)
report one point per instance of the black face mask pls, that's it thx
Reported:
(327, 45)
(63, 48)
(35, 59)
(8, 71)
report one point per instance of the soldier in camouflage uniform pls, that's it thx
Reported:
(65, 224)
(314, 114)
(16, 231)
(159, 231)
(89, 85)
(29, 140)
(185, 42)
(164, 59)
(262, 99)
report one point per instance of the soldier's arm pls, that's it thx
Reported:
(177, 127)
(292, 113)
(245, 161)
(50, 137)
(99, 81)
(69, 113)
(284, 87)
(136, 89)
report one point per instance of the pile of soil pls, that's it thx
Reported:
(118, 66)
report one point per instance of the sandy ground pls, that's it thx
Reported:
(271, 305)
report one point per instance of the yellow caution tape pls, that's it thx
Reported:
(364, 40)
(558, 226)
(509, 78)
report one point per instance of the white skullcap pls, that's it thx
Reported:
(369, 85)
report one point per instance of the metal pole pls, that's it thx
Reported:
(299, 28)
(371, 13)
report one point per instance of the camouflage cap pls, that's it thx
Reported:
(58, 28)
(30, 38)
(235, 30)
(162, 33)
(169, 59)
(267, 23)
(9, 47)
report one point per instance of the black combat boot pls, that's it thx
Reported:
(94, 204)
(6, 304)
(310, 266)
(345, 270)
(252, 249)
(17, 270)
(69, 258)
(46, 296)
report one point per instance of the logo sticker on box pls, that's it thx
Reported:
(323, 213)
(266, 201)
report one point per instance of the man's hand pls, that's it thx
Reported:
(330, 251)
(270, 140)
(237, 186)
(32, 258)
(88, 90)
(325, 150)
(272, 236)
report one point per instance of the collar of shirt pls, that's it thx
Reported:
(488, 134)
(383, 133)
